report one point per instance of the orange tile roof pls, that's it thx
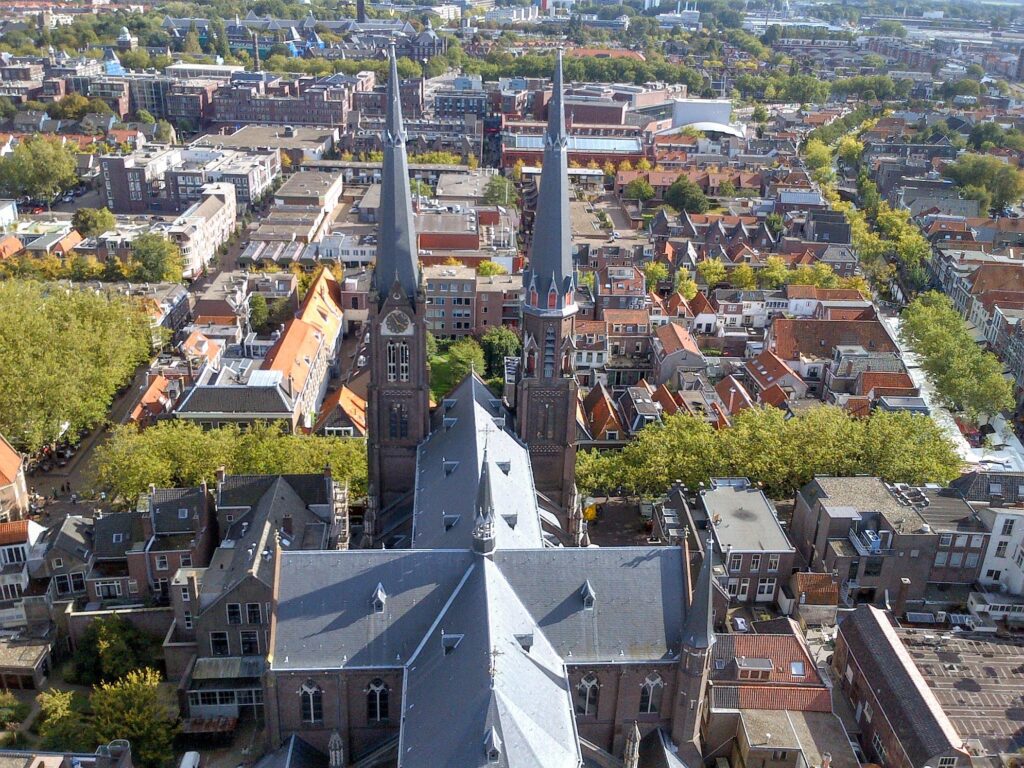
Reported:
(781, 649)
(792, 338)
(817, 588)
(733, 395)
(14, 533)
(199, 344)
(700, 305)
(151, 404)
(351, 404)
(9, 246)
(767, 368)
(675, 338)
(627, 316)
(668, 402)
(858, 407)
(11, 462)
(602, 413)
(871, 380)
(774, 395)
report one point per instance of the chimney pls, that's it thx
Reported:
(286, 525)
(900, 606)
(221, 472)
(826, 760)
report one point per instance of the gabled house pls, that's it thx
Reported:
(14, 501)
(675, 350)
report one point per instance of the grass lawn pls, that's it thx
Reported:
(442, 378)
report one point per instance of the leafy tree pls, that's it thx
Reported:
(418, 187)
(643, 164)
(639, 189)
(135, 708)
(743, 277)
(774, 273)
(157, 259)
(191, 42)
(964, 376)
(727, 189)
(489, 268)
(40, 331)
(685, 195)
(760, 114)
(71, 107)
(501, 191)
(890, 28)
(431, 345)
(259, 311)
(62, 727)
(39, 167)
(981, 194)
(144, 116)
(180, 453)
(712, 272)
(465, 355)
(7, 108)
(850, 150)
(498, 343)
(1002, 181)
(109, 649)
(775, 223)
(165, 132)
(685, 284)
(782, 453)
(655, 272)
(93, 221)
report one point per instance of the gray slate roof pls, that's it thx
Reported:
(490, 691)
(397, 259)
(473, 421)
(236, 399)
(166, 505)
(105, 528)
(910, 707)
(247, 490)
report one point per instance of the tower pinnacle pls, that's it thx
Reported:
(397, 258)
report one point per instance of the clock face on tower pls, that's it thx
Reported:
(397, 323)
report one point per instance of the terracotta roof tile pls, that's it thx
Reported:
(14, 533)
(791, 338)
(675, 338)
(817, 588)
(10, 462)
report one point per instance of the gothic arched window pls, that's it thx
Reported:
(312, 701)
(398, 361)
(377, 701)
(587, 693)
(650, 695)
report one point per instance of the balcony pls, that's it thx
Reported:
(871, 543)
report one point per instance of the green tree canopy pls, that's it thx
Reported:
(136, 708)
(465, 355)
(655, 272)
(712, 272)
(639, 189)
(259, 311)
(782, 453)
(743, 277)
(501, 191)
(1002, 181)
(156, 259)
(685, 195)
(964, 376)
(39, 167)
(110, 648)
(180, 453)
(490, 268)
(93, 221)
(62, 726)
(685, 284)
(498, 343)
(40, 332)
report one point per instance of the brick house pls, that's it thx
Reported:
(902, 724)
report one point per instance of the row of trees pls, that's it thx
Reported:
(766, 446)
(987, 179)
(153, 260)
(965, 377)
(180, 453)
(65, 354)
(776, 273)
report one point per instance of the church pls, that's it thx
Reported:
(484, 635)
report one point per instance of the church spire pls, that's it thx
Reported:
(483, 525)
(550, 273)
(699, 631)
(397, 259)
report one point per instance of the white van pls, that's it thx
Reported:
(190, 760)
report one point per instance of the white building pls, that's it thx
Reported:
(1003, 566)
(204, 227)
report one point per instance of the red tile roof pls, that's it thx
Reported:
(767, 368)
(817, 588)
(733, 395)
(675, 338)
(14, 533)
(793, 337)
(10, 462)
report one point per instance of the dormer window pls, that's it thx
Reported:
(182, 513)
(449, 467)
(492, 746)
(450, 521)
(450, 643)
(380, 598)
(588, 595)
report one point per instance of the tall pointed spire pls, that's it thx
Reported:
(397, 258)
(699, 630)
(548, 282)
(483, 525)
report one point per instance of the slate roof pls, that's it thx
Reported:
(247, 490)
(127, 524)
(909, 705)
(449, 471)
(236, 399)
(166, 505)
(512, 700)
(294, 753)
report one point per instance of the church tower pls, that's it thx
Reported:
(398, 396)
(695, 660)
(546, 390)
